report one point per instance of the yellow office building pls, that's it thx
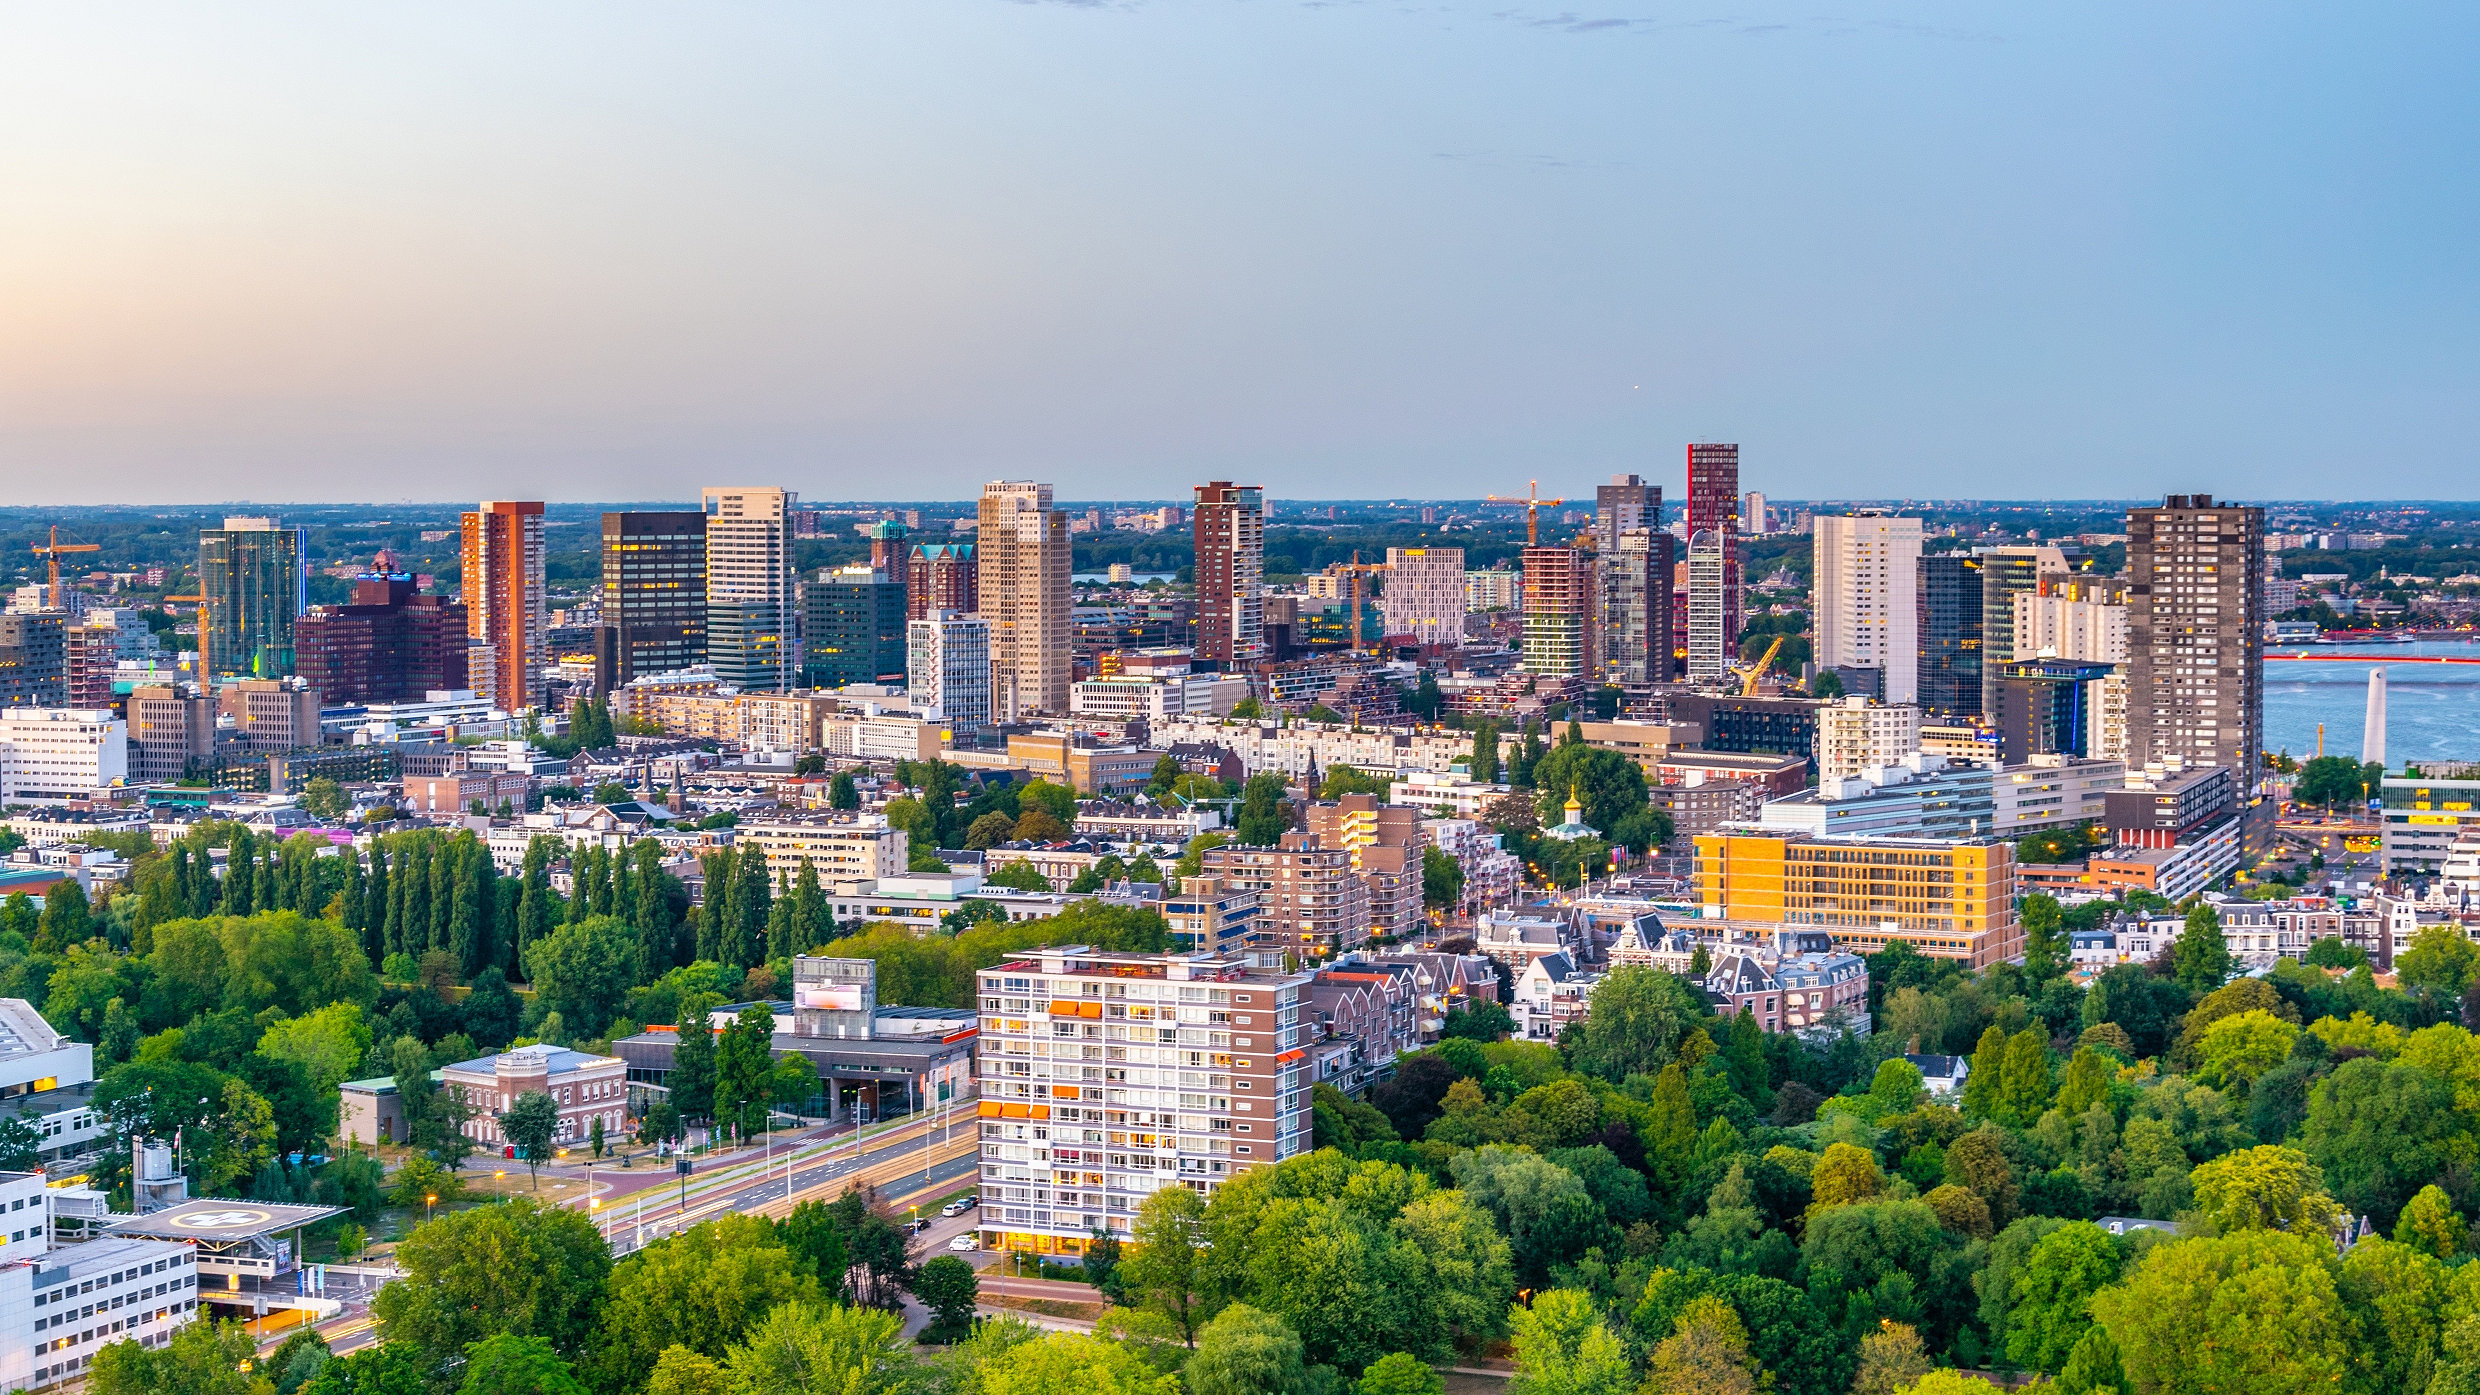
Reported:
(1951, 900)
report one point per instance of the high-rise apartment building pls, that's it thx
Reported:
(1636, 609)
(753, 621)
(1623, 505)
(2006, 571)
(1950, 634)
(940, 576)
(1231, 567)
(1195, 1075)
(1710, 626)
(2073, 616)
(1492, 590)
(1857, 734)
(855, 626)
(1866, 602)
(2196, 658)
(947, 665)
(505, 602)
(654, 591)
(90, 656)
(1384, 841)
(1311, 904)
(1023, 554)
(1713, 507)
(1562, 613)
(252, 575)
(1752, 520)
(1424, 595)
(390, 644)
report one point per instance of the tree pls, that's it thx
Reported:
(519, 1267)
(2024, 1082)
(992, 829)
(583, 971)
(1981, 1085)
(2378, 1132)
(2257, 1311)
(1891, 1359)
(1442, 879)
(1543, 1209)
(693, 1060)
(324, 798)
(2440, 963)
(1262, 820)
(1562, 1347)
(387, 1368)
(842, 793)
(2431, 1224)
(1634, 1022)
(2335, 780)
(1485, 753)
(2044, 938)
(2046, 1317)
(1400, 1373)
(743, 1058)
(531, 1122)
(203, 1358)
(1845, 1175)
(2203, 959)
(1245, 1352)
(1161, 1272)
(330, 1043)
(2239, 1048)
(67, 919)
(948, 1287)
(1706, 1354)
(508, 1364)
(802, 1348)
(2260, 1188)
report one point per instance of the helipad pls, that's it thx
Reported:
(214, 1220)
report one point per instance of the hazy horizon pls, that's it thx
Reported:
(306, 254)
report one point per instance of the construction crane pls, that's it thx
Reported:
(1356, 569)
(1749, 675)
(1533, 505)
(52, 597)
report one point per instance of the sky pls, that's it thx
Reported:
(890, 250)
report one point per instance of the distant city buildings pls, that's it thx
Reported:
(1713, 515)
(505, 602)
(947, 667)
(389, 644)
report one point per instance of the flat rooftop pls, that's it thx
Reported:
(214, 1219)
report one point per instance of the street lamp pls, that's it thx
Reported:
(429, 1200)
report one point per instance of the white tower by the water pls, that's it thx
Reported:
(2372, 738)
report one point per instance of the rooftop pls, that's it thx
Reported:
(219, 1219)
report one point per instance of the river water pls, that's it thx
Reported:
(2432, 710)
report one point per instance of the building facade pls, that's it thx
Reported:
(2195, 635)
(1230, 525)
(1949, 611)
(940, 576)
(505, 601)
(51, 755)
(1562, 614)
(947, 667)
(1856, 734)
(1106, 1077)
(752, 618)
(34, 660)
(1713, 508)
(1949, 899)
(1636, 608)
(1424, 595)
(1710, 613)
(1623, 506)
(855, 627)
(255, 584)
(390, 644)
(1311, 904)
(1024, 561)
(654, 591)
(1866, 601)
(2007, 572)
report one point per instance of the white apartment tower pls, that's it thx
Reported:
(753, 635)
(1867, 599)
(1709, 609)
(1424, 595)
(1021, 556)
(1856, 734)
(947, 665)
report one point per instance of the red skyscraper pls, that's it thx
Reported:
(1231, 560)
(1713, 506)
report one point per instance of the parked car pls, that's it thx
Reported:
(953, 1208)
(965, 1242)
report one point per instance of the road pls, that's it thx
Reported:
(923, 1159)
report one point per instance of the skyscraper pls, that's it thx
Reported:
(502, 585)
(1562, 616)
(1231, 564)
(2195, 597)
(1867, 602)
(1709, 644)
(1950, 634)
(855, 631)
(2006, 571)
(1424, 596)
(752, 624)
(947, 664)
(654, 590)
(252, 574)
(1626, 503)
(1636, 609)
(1023, 554)
(1713, 507)
(940, 576)
(1752, 515)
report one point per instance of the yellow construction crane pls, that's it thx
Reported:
(1749, 675)
(1533, 505)
(52, 597)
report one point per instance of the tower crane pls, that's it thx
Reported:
(1533, 505)
(1356, 569)
(52, 596)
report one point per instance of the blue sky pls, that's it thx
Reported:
(619, 250)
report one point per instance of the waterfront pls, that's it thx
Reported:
(2433, 710)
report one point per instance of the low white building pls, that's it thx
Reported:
(1550, 993)
(1157, 697)
(51, 755)
(1436, 791)
(47, 1079)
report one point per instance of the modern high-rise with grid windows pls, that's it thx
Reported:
(2195, 635)
(1230, 522)
(1022, 550)
(506, 606)
(1866, 602)
(752, 613)
(1108, 1077)
(1713, 507)
(654, 590)
(1562, 613)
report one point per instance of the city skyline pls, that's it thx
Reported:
(321, 258)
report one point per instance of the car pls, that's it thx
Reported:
(953, 1208)
(965, 1242)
